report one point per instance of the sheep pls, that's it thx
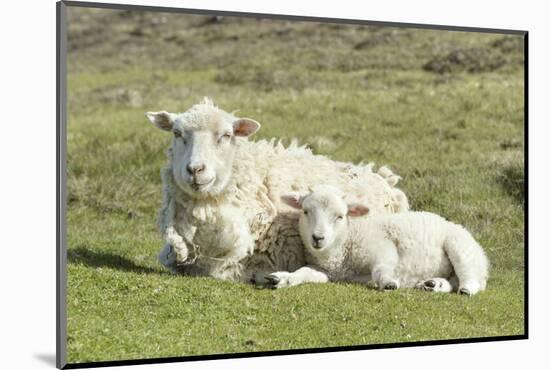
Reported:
(222, 215)
(409, 249)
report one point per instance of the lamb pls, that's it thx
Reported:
(222, 215)
(409, 249)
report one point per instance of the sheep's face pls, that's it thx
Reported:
(324, 217)
(204, 146)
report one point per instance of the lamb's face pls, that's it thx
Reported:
(204, 146)
(323, 222)
(324, 217)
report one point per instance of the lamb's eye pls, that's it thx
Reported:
(305, 212)
(224, 137)
(339, 218)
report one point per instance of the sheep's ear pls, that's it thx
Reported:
(245, 127)
(294, 200)
(163, 119)
(356, 210)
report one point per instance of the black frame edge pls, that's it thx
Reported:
(526, 181)
(61, 125)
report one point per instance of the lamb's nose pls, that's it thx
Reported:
(193, 169)
(316, 238)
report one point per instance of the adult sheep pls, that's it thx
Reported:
(222, 215)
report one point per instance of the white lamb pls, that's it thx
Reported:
(222, 215)
(410, 249)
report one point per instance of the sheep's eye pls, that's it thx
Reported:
(305, 212)
(178, 135)
(339, 218)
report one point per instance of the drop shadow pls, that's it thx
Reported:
(47, 358)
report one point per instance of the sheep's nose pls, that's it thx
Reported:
(316, 238)
(194, 169)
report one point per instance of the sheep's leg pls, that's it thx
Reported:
(167, 257)
(469, 261)
(175, 250)
(385, 259)
(235, 238)
(306, 274)
(179, 246)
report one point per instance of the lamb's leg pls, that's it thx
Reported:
(435, 285)
(385, 259)
(384, 277)
(468, 259)
(306, 274)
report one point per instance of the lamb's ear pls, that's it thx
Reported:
(245, 127)
(356, 210)
(294, 200)
(163, 119)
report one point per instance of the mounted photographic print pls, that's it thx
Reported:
(236, 185)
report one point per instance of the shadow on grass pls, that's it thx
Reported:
(93, 258)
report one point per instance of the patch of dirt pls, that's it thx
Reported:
(511, 144)
(216, 19)
(122, 96)
(473, 60)
(265, 80)
(379, 38)
(509, 44)
(511, 173)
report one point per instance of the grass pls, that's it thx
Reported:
(443, 109)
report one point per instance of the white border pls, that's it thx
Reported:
(27, 145)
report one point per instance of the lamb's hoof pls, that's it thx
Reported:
(272, 281)
(464, 291)
(390, 286)
(430, 283)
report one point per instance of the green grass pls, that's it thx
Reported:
(443, 109)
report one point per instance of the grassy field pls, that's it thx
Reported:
(443, 109)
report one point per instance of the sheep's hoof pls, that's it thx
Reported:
(465, 291)
(390, 286)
